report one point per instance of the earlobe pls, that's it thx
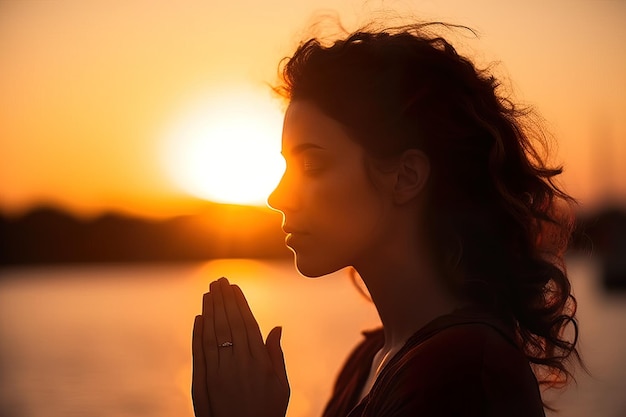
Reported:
(412, 175)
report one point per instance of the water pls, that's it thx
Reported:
(115, 340)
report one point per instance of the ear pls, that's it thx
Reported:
(412, 175)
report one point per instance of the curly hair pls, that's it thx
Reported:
(497, 220)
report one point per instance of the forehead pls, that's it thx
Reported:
(305, 123)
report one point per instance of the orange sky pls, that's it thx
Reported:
(87, 88)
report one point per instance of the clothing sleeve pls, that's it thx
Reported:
(467, 371)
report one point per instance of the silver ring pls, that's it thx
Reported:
(225, 344)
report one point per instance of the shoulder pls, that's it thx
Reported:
(470, 344)
(464, 351)
(469, 368)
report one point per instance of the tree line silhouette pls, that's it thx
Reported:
(47, 235)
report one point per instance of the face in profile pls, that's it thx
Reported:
(332, 211)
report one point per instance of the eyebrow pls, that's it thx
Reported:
(298, 149)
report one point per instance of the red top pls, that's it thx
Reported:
(464, 364)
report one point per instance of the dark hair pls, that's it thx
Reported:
(496, 217)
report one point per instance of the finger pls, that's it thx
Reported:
(221, 325)
(255, 339)
(209, 342)
(199, 392)
(276, 354)
(235, 321)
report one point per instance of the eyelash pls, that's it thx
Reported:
(310, 167)
(305, 166)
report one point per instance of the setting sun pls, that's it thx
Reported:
(226, 148)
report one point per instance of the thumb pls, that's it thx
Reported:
(276, 355)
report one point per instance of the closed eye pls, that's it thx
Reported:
(312, 166)
(309, 166)
(308, 162)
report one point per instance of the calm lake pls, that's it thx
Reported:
(115, 340)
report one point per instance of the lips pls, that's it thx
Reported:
(295, 236)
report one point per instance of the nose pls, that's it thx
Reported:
(281, 198)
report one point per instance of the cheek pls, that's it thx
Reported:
(343, 212)
(349, 209)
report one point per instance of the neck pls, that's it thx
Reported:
(407, 292)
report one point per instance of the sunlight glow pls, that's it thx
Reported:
(226, 148)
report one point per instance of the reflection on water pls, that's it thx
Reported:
(115, 340)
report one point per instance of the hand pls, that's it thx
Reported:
(244, 378)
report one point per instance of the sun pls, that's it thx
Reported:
(226, 147)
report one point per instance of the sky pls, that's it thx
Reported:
(89, 89)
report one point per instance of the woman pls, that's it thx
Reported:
(404, 163)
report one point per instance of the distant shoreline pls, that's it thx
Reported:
(48, 235)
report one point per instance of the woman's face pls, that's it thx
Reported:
(332, 213)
